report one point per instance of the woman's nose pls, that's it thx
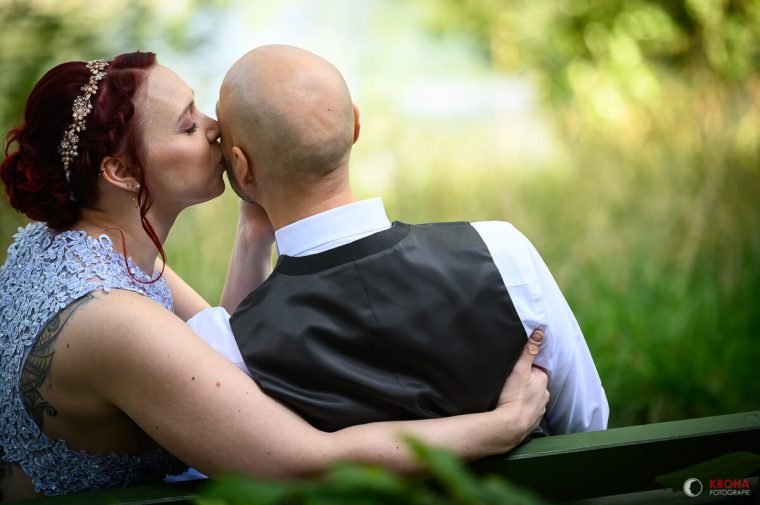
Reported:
(213, 132)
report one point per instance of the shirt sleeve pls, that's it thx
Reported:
(577, 402)
(213, 326)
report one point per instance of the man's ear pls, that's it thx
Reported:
(116, 172)
(242, 167)
(357, 122)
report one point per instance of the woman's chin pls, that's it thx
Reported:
(220, 187)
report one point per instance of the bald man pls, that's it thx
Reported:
(363, 320)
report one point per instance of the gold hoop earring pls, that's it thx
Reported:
(134, 201)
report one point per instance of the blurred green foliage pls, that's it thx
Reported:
(446, 482)
(650, 219)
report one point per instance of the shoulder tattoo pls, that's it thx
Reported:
(38, 364)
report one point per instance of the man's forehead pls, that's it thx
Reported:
(218, 109)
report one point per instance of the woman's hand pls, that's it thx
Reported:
(525, 396)
(251, 259)
(250, 265)
(257, 230)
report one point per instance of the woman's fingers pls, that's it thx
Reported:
(532, 346)
(521, 382)
(534, 342)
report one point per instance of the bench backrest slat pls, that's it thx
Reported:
(622, 460)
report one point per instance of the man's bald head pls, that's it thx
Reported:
(290, 112)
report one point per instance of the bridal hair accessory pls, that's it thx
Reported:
(80, 110)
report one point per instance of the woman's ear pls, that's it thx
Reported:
(115, 172)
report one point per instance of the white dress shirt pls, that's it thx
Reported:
(577, 401)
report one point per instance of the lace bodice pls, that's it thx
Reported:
(46, 271)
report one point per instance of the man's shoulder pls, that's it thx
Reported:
(504, 229)
(510, 250)
(501, 238)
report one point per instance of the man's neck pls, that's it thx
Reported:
(285, 211)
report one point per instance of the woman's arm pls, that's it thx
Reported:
(251, 258)
(200, 407)
(250, 264)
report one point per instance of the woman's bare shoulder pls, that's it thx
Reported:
(104, 334)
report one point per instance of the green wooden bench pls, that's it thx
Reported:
(625, 461)
(614, 466)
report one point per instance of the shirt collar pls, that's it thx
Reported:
(332, 228)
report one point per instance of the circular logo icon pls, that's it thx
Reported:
(692, 487)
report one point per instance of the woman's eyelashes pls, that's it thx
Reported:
(192, 129)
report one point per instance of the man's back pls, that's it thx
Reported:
(411, 322)
(288, 126)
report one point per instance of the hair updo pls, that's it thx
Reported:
(33, 175)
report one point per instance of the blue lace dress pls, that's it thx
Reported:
(46, 271)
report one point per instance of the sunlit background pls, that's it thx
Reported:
(622, 137)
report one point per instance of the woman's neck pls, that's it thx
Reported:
(127, 234)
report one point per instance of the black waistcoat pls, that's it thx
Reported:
(412, 322)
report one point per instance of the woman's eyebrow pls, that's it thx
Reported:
(186, 109)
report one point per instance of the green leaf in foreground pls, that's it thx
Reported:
(444, 481)
(238, 490)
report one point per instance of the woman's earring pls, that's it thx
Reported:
(135, 203)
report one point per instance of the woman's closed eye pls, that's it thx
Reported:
(192, 129)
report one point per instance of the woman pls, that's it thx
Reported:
(132, 387)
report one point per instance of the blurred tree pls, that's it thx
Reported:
(551, 37)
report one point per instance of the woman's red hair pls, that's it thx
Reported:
(33, 174)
